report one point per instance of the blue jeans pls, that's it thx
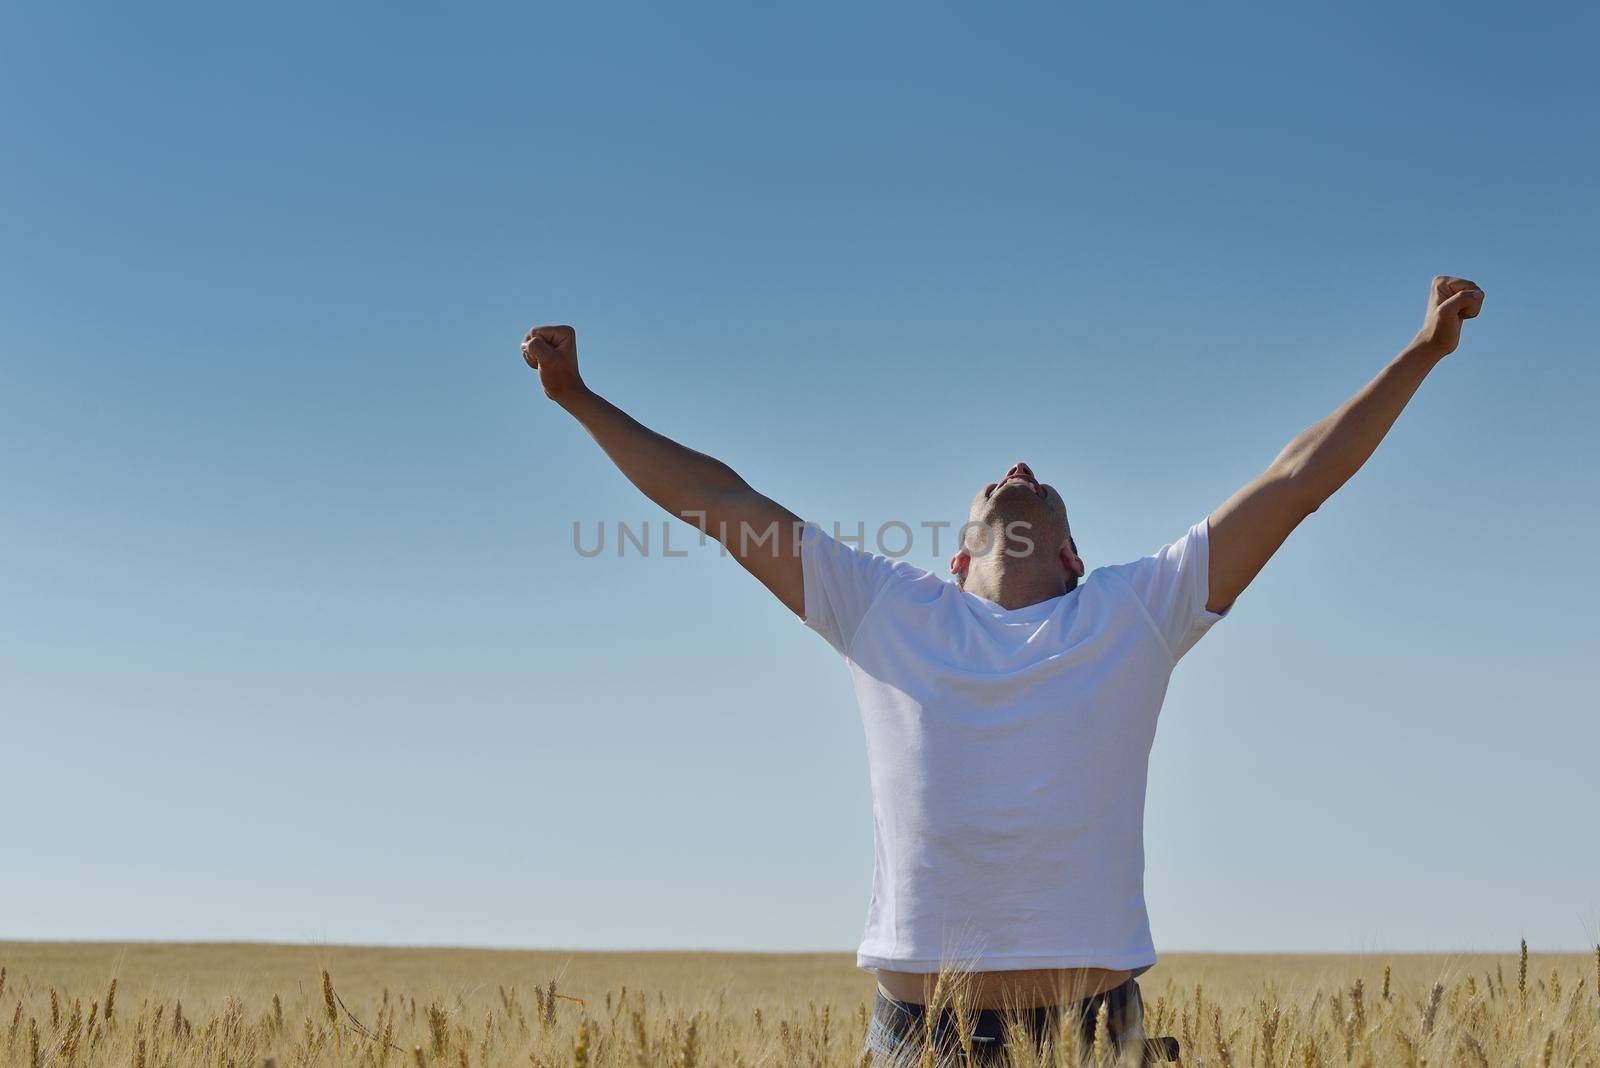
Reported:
(898, 1031)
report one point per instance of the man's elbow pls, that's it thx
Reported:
(1298, 490)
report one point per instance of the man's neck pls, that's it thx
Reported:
(1014, 581)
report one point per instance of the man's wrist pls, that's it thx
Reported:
(573, 398)
(1423, 351)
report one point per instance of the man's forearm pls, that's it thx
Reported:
(1324, 456)
(684, 482)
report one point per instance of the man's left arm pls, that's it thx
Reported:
(1253, 523)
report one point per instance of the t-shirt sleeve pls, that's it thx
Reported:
(841, 584)
(1173, 584)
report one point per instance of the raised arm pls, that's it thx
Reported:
(1250, 526)
(692, 486)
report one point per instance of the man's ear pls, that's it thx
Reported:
(960, 562)
(1070, 562)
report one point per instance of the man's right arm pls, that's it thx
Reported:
(703, 491)
(1252, 524)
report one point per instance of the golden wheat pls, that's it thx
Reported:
(230, 1007)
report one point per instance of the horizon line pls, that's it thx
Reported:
(665, 951)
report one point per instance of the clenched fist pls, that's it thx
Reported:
(1451, 301)
(553, 352)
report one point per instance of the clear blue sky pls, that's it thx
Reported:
(293, 642)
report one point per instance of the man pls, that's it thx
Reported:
(1009, 714)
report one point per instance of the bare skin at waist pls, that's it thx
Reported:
(1022, 989)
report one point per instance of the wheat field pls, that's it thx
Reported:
(154, 1005)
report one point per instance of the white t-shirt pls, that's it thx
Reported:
(1008, 751)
